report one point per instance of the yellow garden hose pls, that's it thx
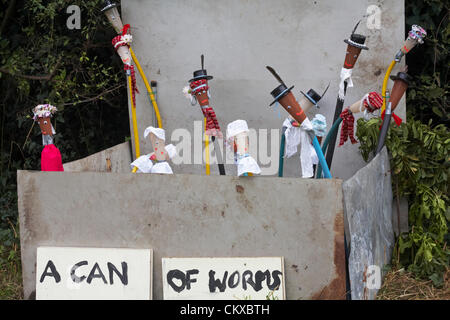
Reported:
(152, 98)
(207, 166)
(149, 88)
(133, 114)
(385, 82)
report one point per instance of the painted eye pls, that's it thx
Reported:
(45, 122)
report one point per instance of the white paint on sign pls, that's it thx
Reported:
(68, 273)
(258, 278)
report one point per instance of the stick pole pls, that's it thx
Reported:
(133, 114)
(332, 131)
(219, 157)
(320, 155)
(337, 113)
(207, 166)
(281, 157)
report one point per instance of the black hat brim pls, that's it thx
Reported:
(110, 6)
(281, 95)
(310, 99)
(406, 78)
(201, 77)
(355, 44)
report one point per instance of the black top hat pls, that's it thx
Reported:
(312, 96)
(402, 76)
(109, 5)
(200, 74)
(279, 92)
(357, 40)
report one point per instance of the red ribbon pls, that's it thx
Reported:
(125, 29)
(134, 88)
(195, 84)
(347, 127)
(375, 101)
(211, 119)
(397, 119)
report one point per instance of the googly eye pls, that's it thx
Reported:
(45, 122)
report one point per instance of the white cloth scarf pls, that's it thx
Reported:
(295, 136)
(247, 164)
(145, 165)
(346, 75)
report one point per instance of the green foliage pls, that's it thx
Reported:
(420, 165)
(420, 152)
(10, 267)
(42, 61)
(429, 63)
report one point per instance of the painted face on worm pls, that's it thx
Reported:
(351, 56)
(45, 125)
(200, 90)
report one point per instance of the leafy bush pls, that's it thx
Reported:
(419, 149)
(429, 63)
(42, 61)
(420, 167)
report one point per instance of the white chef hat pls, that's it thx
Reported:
(158, 132)
(236, 127)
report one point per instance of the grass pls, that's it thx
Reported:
(402, 285)
(10, 273)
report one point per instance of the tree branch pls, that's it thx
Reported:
(96, 97)
(47, 77)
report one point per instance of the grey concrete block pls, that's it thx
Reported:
(190, 215)
(116, 159)
(368, 206)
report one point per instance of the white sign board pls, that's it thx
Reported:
(64, 273)
(258, 278)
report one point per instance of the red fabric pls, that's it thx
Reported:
(212, 125)
(198, 83)
(397, 119)
(51, 159)
(115, 40)
(125, 29)
(133, 81)
(347, 127)
(375, 101)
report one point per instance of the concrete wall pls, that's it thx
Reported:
(302, 40)
(369, 214)
(116, 159)
(190, 216)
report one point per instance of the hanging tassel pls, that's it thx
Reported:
(125, 29)
(347, 127)
(398, 121)
(127, 67)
